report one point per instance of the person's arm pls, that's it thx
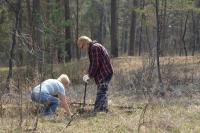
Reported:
(94, 62)
(64, 104)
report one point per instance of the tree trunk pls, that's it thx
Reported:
(30, 24)
(67, 31)
(141, 27)
(148, 40)
(197, 19)
(197, 3)
(180, 40)
(15, 31)
(158, 41)
(131, 49)
(194, 34)
(163, 28)
(77, 29)
(183, 36)
(20, 51)
(114, 34)
(101, 24)
(37, 36)
(125, 29)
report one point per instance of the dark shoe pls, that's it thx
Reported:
(101, 110)
(105, 110)
(93, 113)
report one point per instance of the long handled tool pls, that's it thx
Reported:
(84, 97)
(81, 110)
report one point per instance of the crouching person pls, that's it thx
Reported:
(51, 93)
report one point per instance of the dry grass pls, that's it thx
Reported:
(125, 64)
(177, 112)
(162, 116)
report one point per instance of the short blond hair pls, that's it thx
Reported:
(64, 79)
(84, 39)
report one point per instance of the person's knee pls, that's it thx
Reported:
(54, 101)
(102, 91)
(34, 97)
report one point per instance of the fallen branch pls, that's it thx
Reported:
(115, 106)
(72, 118)
(141, 120)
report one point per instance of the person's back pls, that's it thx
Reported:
(51, 93)
(104, 62)
(51, 87)
(100, 66)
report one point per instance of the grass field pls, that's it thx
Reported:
(177, 112)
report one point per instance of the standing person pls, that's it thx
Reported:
(100, 69)
(51, 93)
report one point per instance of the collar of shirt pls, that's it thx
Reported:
(90, 45)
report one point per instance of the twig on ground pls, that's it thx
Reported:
(114, 106)
(72, 118)
(141, 120)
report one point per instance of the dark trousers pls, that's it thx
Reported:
(101, 103)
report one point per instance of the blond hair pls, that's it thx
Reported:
(84, 40)
(64, 79)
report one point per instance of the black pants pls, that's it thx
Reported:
(101, 103)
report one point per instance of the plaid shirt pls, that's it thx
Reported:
(100, 65)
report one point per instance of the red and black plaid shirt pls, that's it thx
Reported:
(100, 65)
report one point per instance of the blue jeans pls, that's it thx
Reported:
(101, 103)
(50, 102)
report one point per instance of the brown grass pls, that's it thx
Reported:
(178, 112)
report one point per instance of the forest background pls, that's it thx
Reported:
(154, 46)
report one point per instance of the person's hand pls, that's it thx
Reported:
(86, 78)
(68, 115)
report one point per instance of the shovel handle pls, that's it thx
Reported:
(84, 95)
